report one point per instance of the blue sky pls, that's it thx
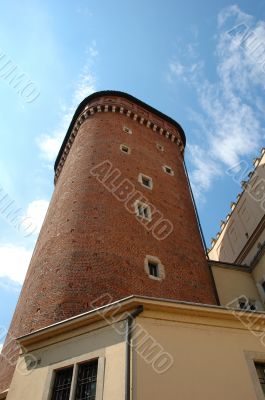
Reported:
(176, 56)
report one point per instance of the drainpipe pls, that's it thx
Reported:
(130, 321)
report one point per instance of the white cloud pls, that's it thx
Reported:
(93, 52)
(35, 214)
(1, 346)
(230, 118)
(14, 262)
(50, 144)
(176, 68)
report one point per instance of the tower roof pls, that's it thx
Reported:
(120, 94)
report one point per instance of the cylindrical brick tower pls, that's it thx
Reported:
(121, 220)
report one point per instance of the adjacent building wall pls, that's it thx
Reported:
(240, 233)
(210, 361)
(232, 284)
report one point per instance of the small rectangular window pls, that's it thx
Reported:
(145, 181)
(127, 130)
(62, 384)
(153, 269)
(260, 368)
(263, 285)
(125, 149)
(168, 170)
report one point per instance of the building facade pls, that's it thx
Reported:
(237, 251)
(120, 300)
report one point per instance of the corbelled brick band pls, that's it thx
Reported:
(90, 244)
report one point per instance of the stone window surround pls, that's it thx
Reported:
(160, 147)
(125, 145)
(165, 170)
(127, 130)
(136, 204)
(74, 362)
(140, 180)
(161, 269)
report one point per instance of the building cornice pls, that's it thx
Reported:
(125, 104)
(180, 311)
(226, 265)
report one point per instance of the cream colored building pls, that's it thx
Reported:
(237, 253)
(174, 351)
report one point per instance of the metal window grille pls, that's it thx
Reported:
(62, 384)
(86, 381)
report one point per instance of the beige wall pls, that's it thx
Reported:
(212, 352)
(104, 343)
(210, 362)
(232, 284)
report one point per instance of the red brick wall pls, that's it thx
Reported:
(90, 244)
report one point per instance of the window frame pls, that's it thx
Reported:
(160, 267)
(160, 147)
(127, 130)
(252, 358)
(142, 176)
(128, 148)
(74, 363)
(141, 203)
(171, 173)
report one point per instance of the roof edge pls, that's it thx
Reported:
(120, 94)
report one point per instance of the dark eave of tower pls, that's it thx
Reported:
(120, 94)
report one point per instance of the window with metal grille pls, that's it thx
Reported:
(62, 384)
(86, 381)
(153, 269)
(85, 386)
(260, 368)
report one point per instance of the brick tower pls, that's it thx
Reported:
(121, 220)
